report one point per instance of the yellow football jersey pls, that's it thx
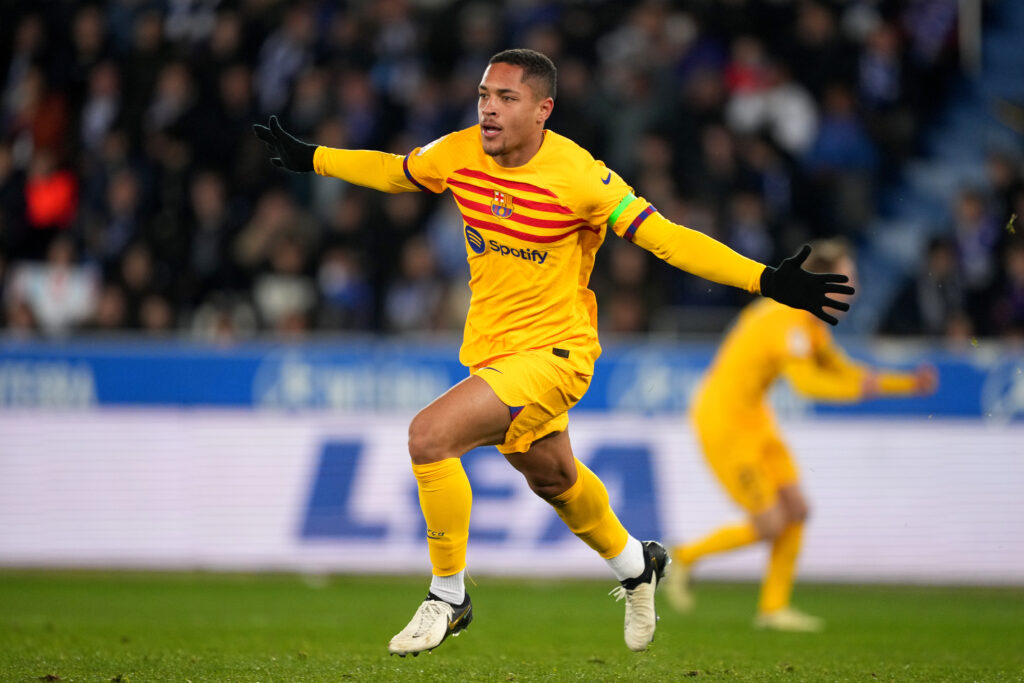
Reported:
(532, 233)
(770, 340)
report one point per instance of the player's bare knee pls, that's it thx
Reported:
(769, 524)
(549, 486)
(799, 513)
(425, 444)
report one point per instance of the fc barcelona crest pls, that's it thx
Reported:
(501, 206)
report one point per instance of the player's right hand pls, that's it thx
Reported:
(286, 150)
(926, 379)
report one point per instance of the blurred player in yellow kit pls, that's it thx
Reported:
(535, 208)
(742, 444)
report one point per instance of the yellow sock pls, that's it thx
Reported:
(585, 510)
(718, 541)
(778, 580)
(446, 500)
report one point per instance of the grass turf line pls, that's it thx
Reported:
(139, 626)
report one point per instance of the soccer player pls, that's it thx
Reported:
(744, 449)
(535, 208)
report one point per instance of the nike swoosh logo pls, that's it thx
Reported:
(608, 179)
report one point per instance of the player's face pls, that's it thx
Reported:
(511, 115)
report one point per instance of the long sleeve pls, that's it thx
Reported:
(895, 383)
(376, 170)
(833, 379)
(697, 253)
(831, 375)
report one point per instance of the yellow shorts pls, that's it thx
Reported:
(751, 462)
(539, 387)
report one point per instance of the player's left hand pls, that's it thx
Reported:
(792, 285)
(286, 150)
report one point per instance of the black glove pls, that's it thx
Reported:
(286, 150)
(792, 285)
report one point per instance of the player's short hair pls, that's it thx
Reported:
(826, 254)
(536, 67)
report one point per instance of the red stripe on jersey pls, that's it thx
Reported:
(525, 236)
(524, 220)
(515, 185)
(528, 203)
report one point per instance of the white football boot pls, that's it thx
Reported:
(434, 621)
(641, 615)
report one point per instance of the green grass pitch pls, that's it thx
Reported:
(138, 626)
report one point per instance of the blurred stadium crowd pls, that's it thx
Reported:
(135, 197)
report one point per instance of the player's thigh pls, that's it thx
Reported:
(466, 416)
(736, 459)
(548, 466)
(779, 460)
(539, 388)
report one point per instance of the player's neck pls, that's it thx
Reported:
(521, 155)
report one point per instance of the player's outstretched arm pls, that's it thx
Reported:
(376, 170)
(922, 381)
(792, 285)
(286, 150)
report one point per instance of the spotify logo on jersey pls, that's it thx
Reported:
(476, 242)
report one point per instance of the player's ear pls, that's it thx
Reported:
(544, 109)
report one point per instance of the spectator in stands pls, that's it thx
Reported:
(28, 48)
(284, 293)
(156, 315)
(139, 277)
(746, 227)
(1004, 173)
(344, 292)
(933, 302)
(275, 217)
(119, 224)
(89, 47)
(885, 85)
(59, 293)
(415, 298)
(140, 66)
(102, 106)
(111, 314)
(51, 200)
(12, 204)
(768, 99)
(1008, 306)
(213, 224)
(977, 235)
(841, 163)
(818, 52)
(628, 298)
(765, 172)
(3, 283)
(143, 100)
(224, 319)
(283, 55)
(19, 321)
